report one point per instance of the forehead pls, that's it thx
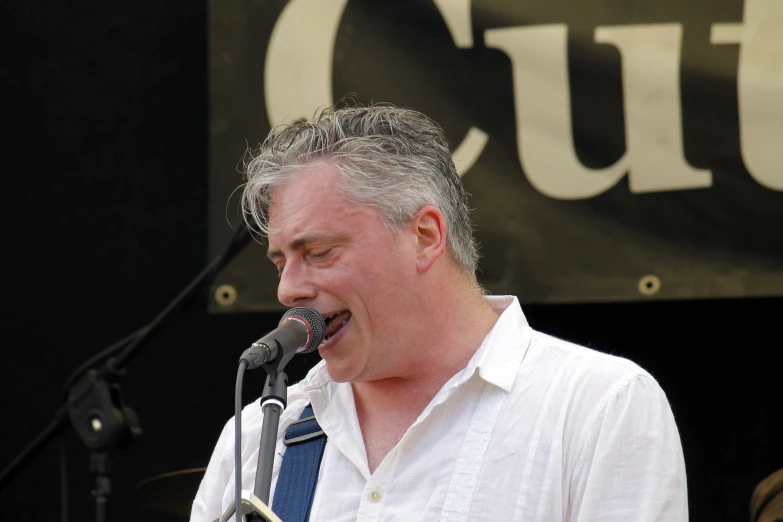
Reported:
(312, 186)
(309, 203)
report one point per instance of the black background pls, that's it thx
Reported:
(106, 194)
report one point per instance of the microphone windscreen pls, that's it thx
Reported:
(314, 320)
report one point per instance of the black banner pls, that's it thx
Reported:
(614, 151)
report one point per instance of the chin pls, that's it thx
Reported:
(339, 373)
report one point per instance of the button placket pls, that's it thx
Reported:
(456, 506)
(371, 506)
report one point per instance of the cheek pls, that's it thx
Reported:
(383, 280)
(392, 258)
(376, 273)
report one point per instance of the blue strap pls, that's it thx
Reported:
(295, 490)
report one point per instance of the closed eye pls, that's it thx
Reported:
(320, 255)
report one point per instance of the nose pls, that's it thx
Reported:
(294, 288)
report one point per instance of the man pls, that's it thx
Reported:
(439, 403)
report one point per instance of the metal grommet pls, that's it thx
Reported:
(649, 284)
(96, 424)
(226, 295)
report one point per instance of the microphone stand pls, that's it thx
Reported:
(94, 405)
(274, 400)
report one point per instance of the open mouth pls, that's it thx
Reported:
(335, 323)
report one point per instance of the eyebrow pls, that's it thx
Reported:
(298, 243)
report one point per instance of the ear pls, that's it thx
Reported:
(429, 229)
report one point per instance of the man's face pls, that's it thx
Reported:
(342, 260)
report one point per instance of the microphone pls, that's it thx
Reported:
(300, 330)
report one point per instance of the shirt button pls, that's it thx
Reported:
(375, 496)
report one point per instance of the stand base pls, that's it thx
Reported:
(250, 504)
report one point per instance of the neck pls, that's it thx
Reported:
(443, 346)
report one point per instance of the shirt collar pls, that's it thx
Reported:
(497, 358)
(503, 349)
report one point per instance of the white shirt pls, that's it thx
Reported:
(533, 429)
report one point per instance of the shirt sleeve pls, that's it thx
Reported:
(207, 504)
(631, 466)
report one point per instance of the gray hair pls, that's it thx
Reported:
(394, 160)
